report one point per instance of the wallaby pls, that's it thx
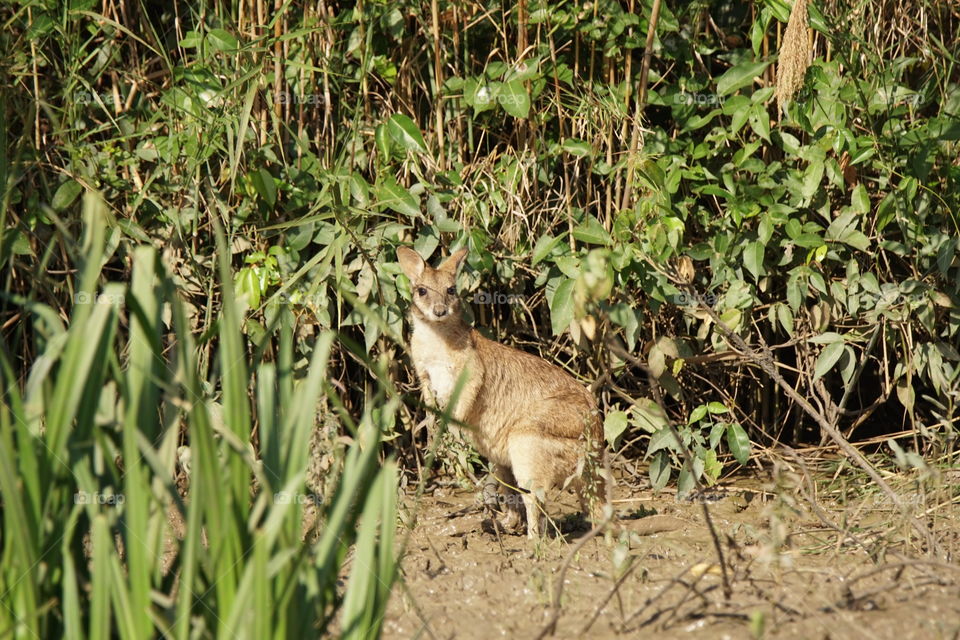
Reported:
(538, 426)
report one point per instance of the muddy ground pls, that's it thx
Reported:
(829, 559)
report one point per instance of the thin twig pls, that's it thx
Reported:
(616, 587)
(820, 513)
(551, 626)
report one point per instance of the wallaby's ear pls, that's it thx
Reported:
(452, 263)
(411, 263)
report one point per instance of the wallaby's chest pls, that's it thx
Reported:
(442, 378)
(440, 365)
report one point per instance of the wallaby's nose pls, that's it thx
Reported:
(439, 311)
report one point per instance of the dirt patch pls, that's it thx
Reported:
(849, 570)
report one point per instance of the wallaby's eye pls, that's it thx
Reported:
(421, 291)
(452, 291)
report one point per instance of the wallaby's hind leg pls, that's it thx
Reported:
(505, 497)
(532, 461)
(540, 464)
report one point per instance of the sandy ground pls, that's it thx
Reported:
(850, 570)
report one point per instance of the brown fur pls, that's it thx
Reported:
(532, 420)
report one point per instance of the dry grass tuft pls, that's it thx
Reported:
(794, 55)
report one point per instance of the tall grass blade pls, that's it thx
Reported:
(19, 572)
(142, 399)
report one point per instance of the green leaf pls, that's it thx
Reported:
(759, 30)
(263, 183)
(625, 316)
(740, 115)
(862, 156)
(561, 307)
(191, 40)
(514, 99)
(794, 294)
(711, 467)
(222, 40)
(41, 25)
(753, 259)
(859, 199)
(405, 133)
(427, 242)
(844, 229)
(381, 136)
(827, 358)
(946, 254)
(234, 381)
(740, 76)
(568, 265)
(685, 483)
(697, 414)
(248, 284)
(855, 239)
(905, 394)
(544, 247)
(847, 362)
(650, 416)
(696, 465)
(591, 231)
(760, 121)
(659, 471)
(613, 427)
(100, 578)
(717, 408)
(827, 337)
(577, 147)
(663, 439)
(716, 432)
(391, 195)
(785, 317)
(731, 318)
(818, 283)
(65, 195)
(738, 442)
(765, 229)
(811, 180)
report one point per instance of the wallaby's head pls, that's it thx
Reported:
(434, 290)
